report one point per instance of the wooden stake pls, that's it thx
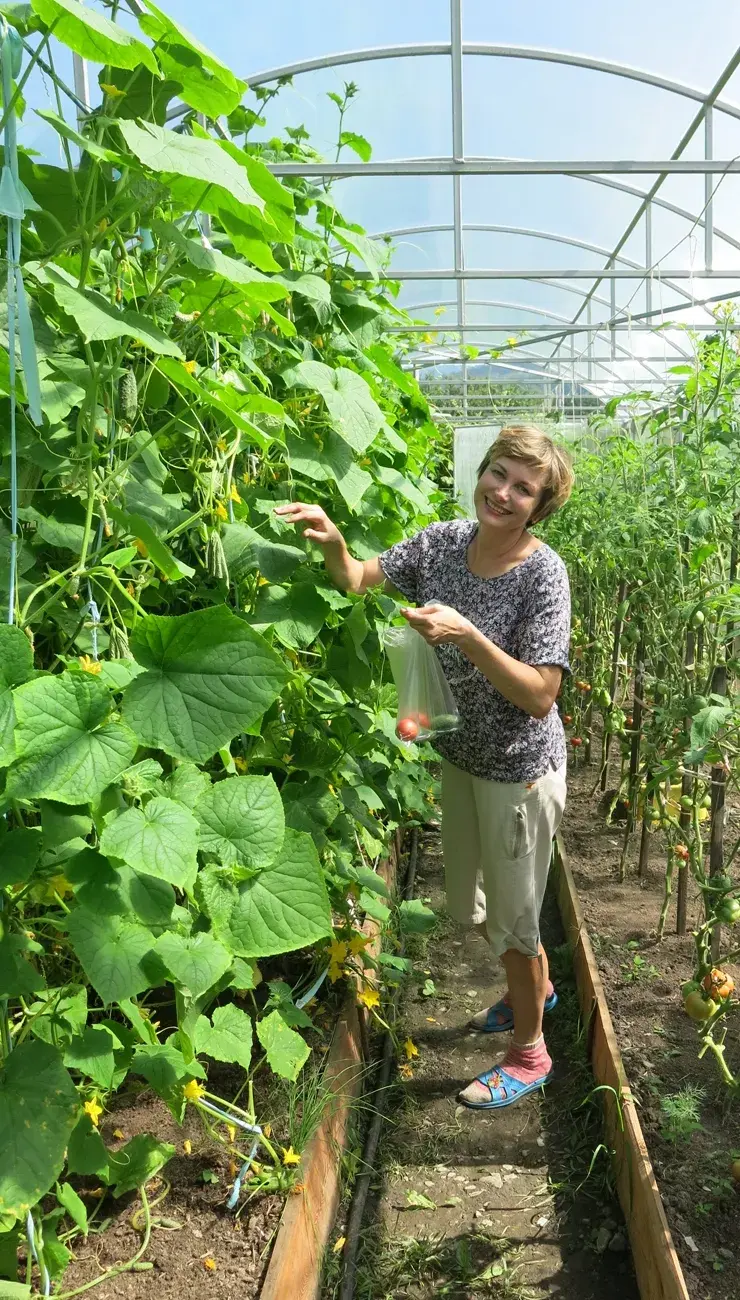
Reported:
(614, 679)
(687, 783)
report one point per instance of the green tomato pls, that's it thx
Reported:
(729, 911)
(687, 802)
(698, 618)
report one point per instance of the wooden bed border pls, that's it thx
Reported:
(294, 1271)
(658, 1269)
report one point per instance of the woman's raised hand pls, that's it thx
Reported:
(320, 527)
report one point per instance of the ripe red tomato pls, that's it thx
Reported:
(567, 719)
(682, 852)
(407, 729)
(576, 741)
(422, 720)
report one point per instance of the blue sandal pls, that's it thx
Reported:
(500, 1018)
(509, 1088)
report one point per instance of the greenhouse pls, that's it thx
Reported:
(369, 651)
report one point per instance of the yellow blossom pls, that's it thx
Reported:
(118, 1134)
(290, 1157)
(187, 1147)
(336, 971)
(512, 342)
(405, 1070)
(189, 366)
(102, 225)
(338, 1245)
(234, 495)
(56, 886)
(89, 665)
(114, 92)
(221, 512)
(233, 1169)
(369, 997)
(358, 943)
(338, 950)
(210, 1263)
(222, 445)
(267, 1130)
(410, 1049)
(94, 1110)
(231, 1130)
(141, 548)
(193, 1090)
(241, 764)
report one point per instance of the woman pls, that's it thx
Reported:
(495, 603)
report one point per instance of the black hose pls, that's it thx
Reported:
(362, 1183)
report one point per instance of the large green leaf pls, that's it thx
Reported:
(20, 851)
(286, 906)
(209, 676)
(197, 962)
(18, 978)
(352, 481)
(87, 1153)
(247, 551)
(16, 666)
(112, 950)
(355, 414)
(160, 839)
(285, 1050)
(242, 821)
(67, 750)
(91, 1052)
(159, 554)
(88, 33)
(98, 320)
(179, 376)
(255, 286)
(39, 1107)
(297, 613)
(137, 1162)
(207, 84)
(196, 159)
(82, 141)
(227, 1037)
(402, 486)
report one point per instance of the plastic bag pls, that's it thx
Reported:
(426, 705)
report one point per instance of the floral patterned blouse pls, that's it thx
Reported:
(525, 611)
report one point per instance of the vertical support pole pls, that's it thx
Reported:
(717, 815)
(590, 343)
(633, 785)
(458, 153)
(82, 88)
(648, 257)
(613, 310)
(687, 786)
(708, 188)
(614, 679)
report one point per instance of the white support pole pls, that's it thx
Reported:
(82, 87)
(649, 258)
(708, 189)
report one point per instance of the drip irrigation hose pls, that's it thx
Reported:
(362, 1184)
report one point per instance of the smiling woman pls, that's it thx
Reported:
(495, 603)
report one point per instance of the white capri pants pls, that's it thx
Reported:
(497, 844)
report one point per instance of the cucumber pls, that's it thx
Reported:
(128, 397)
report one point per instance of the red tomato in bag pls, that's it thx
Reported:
(407, 729)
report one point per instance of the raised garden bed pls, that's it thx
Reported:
(689, 1122)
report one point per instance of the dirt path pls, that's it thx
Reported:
(473, 1204)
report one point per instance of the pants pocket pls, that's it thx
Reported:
(520, 828)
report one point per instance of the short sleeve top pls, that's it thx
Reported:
(525, 611)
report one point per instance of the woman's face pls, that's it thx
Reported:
(507, 494)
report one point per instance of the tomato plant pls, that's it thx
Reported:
(199, 761)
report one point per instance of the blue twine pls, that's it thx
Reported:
(31, 1235)
(248, 1128)
(303, 1001)
(94, 613)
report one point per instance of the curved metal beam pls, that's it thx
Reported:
(539, 311)
(476, 48)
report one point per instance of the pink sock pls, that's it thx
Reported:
(550, 990)
(527, 1064)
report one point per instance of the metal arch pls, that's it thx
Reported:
(536, 311)
(543, 55)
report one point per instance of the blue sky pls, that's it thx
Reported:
(512, 108)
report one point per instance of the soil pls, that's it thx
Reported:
(197, 1246)
(511, 1207)
(658, 1041)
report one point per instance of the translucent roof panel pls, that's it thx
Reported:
(559, 182)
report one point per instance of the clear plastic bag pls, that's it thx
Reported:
(426, 705)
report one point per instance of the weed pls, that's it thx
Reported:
(681, 1113)
(424, 1267)
(638, 970)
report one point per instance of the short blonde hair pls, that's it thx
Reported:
(528, 443)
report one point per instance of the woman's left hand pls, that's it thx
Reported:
(438, 624)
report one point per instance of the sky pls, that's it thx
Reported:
(513, 108)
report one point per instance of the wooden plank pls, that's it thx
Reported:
(659, 1274)
(294, 1271)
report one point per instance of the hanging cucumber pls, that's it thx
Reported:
(128, 397)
